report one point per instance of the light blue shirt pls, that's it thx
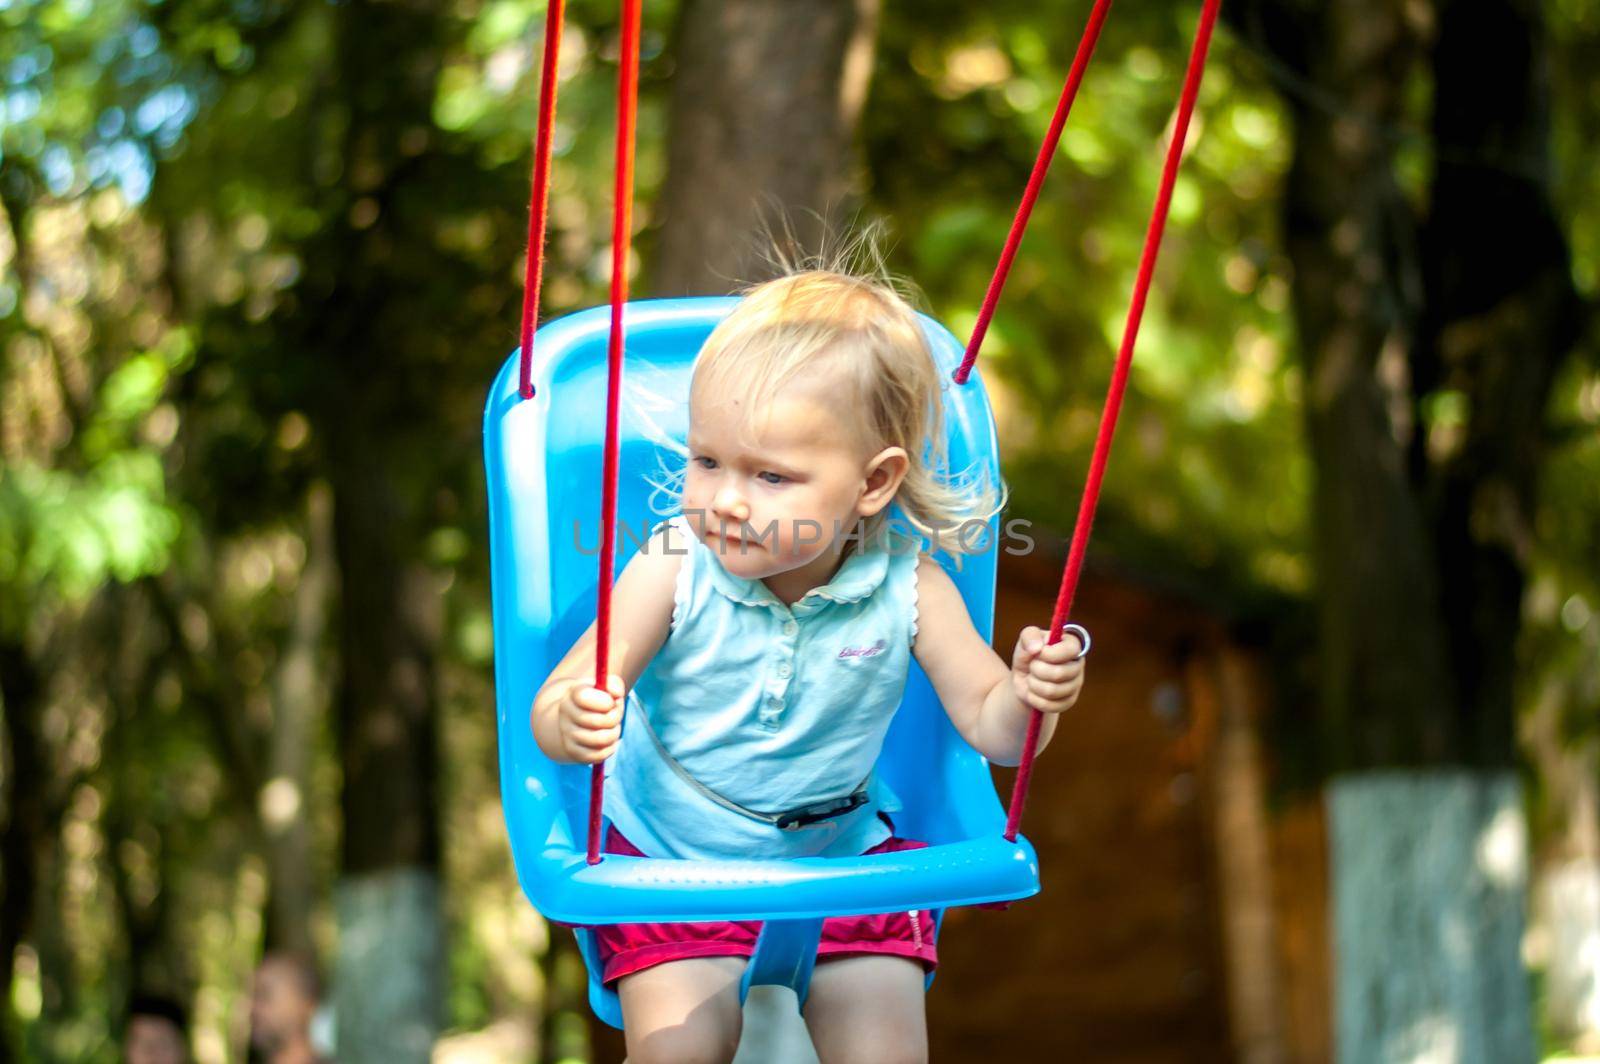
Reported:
(770, 705)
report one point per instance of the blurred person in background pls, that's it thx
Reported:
(156, 1032)
(283, 1004)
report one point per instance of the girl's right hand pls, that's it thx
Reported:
(591, 720)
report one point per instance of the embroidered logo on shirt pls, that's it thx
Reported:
(864, 652)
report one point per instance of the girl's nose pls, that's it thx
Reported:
(729, 505)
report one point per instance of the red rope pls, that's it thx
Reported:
(1041, 166)
(1119, 381)
(621, 239)
(539, 198)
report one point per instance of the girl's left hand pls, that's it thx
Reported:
(1045, 677)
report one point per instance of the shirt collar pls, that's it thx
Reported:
(861, 573)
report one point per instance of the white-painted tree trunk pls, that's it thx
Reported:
(1429, 885)
(389, 976)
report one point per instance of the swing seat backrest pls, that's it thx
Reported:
(544, 462)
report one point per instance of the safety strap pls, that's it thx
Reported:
(786, 820)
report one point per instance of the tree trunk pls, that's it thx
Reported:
(22, 788)
(1502, 317)
(375, 324)
(156, 960)
(765, 102)
(1421, 524)
(1387, 694)
(388, 985)
(297, 694)
(1429, 883)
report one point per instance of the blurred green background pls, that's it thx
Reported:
(261, 259)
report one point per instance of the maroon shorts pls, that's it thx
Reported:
(629, 948)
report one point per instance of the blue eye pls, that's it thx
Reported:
(704, 461)
(780, 478)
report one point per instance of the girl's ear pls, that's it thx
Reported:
(885, 471)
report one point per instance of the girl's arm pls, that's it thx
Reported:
(982, 695)
(574, 721)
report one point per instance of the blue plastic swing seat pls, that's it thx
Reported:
(544, 458)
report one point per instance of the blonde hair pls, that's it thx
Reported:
(851, 328)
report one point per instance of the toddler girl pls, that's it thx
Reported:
(761, 641)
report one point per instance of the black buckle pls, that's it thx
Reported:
(817, 812)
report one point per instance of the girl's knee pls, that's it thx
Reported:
(896, 1054)
(683, 1011)
(868, 1010)
(870, 1047)
(687, 1043)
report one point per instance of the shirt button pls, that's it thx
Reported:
(790, 627)
(784, 669)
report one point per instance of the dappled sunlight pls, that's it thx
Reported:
(1501, 850)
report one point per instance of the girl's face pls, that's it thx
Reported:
(778, 504)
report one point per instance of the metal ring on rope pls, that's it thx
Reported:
(1083, 637)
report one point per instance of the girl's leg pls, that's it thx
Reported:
(683, 1012)
(868, 1010)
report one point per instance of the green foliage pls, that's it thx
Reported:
(110, 524)
(64, 532)
(1209, 460)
